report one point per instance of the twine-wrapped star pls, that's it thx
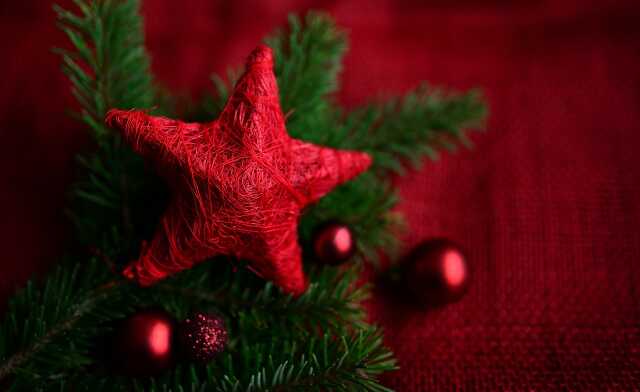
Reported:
(239, 183)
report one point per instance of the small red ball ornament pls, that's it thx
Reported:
(436, 272)
(333, 243)
(143, 344)
(202, 337)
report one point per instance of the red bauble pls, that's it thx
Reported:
(202, 337)
(239, 182)
(143, 344)
(333, 243)
(436, 272)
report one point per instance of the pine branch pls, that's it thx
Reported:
(324, 363)
(308, 58)
(331, 303)
(348, 363)
(409, 128)
(109, 67)
(47, 331)
(262, 321)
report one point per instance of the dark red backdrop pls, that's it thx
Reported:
(546, 204)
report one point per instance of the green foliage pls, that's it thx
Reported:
(318, 341)
(49, 327)
(109, 67)
(409, 128)
(346, 363)
(308, 58)
(350, 362)
(267, 329)
(331, 303)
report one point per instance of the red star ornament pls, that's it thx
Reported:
(239, 183)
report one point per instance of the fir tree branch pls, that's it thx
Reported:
(17, 360)
(109, 67)
(308, 58)
(332, 301)
(411, 127)
(40, 325)
(347, 363)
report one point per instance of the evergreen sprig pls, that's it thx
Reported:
(350, 362)
(346, 363)
(407, 129)
(318, 341)
(109, 67)
(331, 303)
(308, 58)
(49, 328)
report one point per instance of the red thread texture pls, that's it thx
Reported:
(238, 183)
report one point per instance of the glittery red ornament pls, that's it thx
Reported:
(202, 336)
(436, 272)
(143, 344)
(239, 182)
(333, 243)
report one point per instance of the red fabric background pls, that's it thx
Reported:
(546, 204)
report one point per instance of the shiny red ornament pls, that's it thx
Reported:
(239, 182)
(202, 337)
(143, 344)
(333, 243)
(436, 272)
